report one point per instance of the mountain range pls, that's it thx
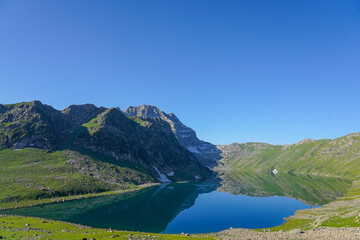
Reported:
(82, 149)
(55, 152)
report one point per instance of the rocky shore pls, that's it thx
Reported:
(316, 234)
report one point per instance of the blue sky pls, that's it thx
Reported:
(235, 71)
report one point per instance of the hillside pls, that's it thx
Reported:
(32, 174)
(337, 157)
(84, 149)
(206, 152)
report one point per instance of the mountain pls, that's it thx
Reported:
(337, 157)
(206, 152)
(84, 149)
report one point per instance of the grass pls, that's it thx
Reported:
(36, 228)
(34, 202)
(92, 125)
(343, 212)
(303, 224)
(338, 157)
(33, 176)
(140, 121)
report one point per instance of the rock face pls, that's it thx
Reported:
(207, 153)
(241, 149)
(149, 144)
(28, 125)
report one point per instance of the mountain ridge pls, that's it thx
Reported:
(78, 139)
(206, 152)
(331, 157)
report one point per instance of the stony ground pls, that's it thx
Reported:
(318, 234)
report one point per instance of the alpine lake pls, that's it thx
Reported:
(238, 200)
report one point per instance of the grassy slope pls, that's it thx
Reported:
(32, 176)
(344, 212)
(338, 157)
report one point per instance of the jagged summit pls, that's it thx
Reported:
(144, 111)
(206, 152)
(81, 114)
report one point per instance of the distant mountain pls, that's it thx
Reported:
(337, 157)
(102, 144)
(206, 152)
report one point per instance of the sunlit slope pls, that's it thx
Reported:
(31, 174)
(338, 157)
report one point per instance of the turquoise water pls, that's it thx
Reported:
(217, 211)
(171, 208)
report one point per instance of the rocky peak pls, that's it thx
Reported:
(80, 114)
(144, 111)
(206, 152)
(306, 140)
(243, 149)
(28, 124)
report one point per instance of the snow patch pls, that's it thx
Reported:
(170, 174)
(197, 177)
(185, 136)
(193, 149)
(162, 178)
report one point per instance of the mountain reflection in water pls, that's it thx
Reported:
(177, 207)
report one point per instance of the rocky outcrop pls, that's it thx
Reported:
(28, 125)
(206, 152)
(80, 114)
(243, 149)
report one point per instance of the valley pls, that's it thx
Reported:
(86, 161)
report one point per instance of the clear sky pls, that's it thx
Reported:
(235, 71)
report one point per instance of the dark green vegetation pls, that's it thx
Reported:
(46, 153)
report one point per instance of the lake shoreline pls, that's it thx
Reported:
(31, 203)
(39, 227)
(315, 223)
